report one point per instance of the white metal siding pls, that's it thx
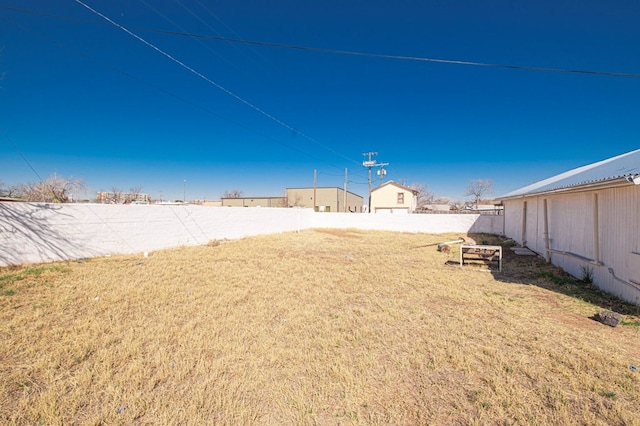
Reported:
(534, 219)
(619, 240)
(512, 216)
(573, 237)
(571, 223)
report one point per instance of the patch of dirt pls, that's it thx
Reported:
(345, 233)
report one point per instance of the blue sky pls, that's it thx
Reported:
(81, 98)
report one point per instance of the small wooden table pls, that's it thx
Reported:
(487, 254)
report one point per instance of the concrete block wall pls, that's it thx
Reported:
(36, 233)
(425, 223)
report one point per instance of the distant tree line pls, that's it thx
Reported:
(54, 189)
(58, 189)
(479, 189)
(233, 193)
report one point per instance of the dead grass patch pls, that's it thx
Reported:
(316, 327)
(347, 233)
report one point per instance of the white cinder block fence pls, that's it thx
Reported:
(425, 223)
(35, 233)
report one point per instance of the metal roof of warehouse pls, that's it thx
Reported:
(613, 169)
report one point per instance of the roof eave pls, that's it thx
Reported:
(591, 186)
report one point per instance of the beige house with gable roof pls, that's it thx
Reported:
(393, 198)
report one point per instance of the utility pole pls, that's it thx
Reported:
(369, 164)
(344, 202)
(184, 191)
(315, 175)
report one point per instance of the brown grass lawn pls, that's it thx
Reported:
(320, 327)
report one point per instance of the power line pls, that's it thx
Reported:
(210, 81)
(426, 59)
(21, 154)
(330, 174)
(342, 52)
(201, 20)
(155, 87)
(202, 43)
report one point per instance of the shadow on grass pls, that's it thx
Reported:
(533, 270)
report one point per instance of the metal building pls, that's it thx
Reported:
(325, 199)
(254, 202)
(585, 221)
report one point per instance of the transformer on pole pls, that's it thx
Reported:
(369, 164)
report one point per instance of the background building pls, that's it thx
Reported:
(122, 198)
(254, 202)
(585, 221)
(325, 199)
(392, 197)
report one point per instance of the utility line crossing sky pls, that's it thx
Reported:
(202, 96)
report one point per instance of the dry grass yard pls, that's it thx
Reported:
(322, 327)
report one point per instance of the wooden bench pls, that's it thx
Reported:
(477, 253)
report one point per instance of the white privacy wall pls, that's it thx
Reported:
(426, 223)
(32, 233)
(35, 233)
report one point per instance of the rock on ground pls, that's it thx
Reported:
(609, 318)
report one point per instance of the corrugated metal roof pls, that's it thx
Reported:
(621, 166)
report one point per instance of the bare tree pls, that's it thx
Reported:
(12, 191)
(296, 200)
(115, 196)
(442, 200)
(284, 201)
(456, 204)
(134, 193)
(479, 188)
(55, 189)
(425, 196)
(234, 193)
